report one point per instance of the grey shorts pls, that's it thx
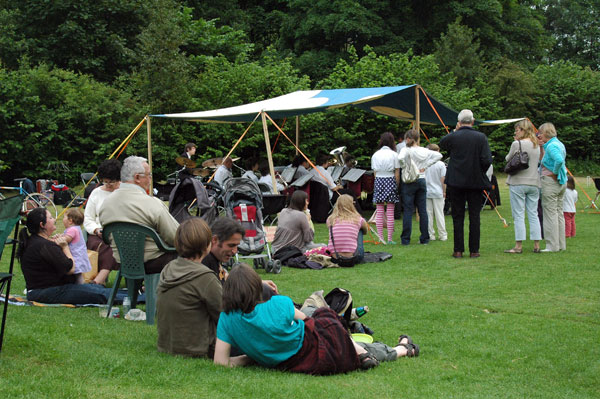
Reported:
(381, 351)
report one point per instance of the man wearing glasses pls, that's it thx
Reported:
(132, 203)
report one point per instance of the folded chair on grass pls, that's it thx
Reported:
(9, 218)
(130, 240)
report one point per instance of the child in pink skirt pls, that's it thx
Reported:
(569, 209)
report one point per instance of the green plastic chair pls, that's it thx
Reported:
(130, 239)
(10, 209)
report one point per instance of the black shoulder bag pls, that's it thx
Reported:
(518, 162)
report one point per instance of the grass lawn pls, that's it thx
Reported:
(503, 325)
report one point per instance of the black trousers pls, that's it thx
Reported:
(474, 200)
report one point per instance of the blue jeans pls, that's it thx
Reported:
(523, 198)
(360, 246)
(75, 294)
(414, 194)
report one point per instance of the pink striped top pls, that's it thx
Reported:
(346, 236)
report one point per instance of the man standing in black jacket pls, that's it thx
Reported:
(470, 158)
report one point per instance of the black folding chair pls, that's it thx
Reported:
(10, 209)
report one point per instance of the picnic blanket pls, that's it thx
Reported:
(20, 300)
(374, 257)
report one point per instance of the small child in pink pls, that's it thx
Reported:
(72, 221)
(569, 209)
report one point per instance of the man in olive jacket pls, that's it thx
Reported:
(470, 158)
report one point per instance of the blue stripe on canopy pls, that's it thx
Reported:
(394, 101)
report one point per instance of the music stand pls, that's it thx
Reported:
(353, 175)
(301, 182)
(288, 174)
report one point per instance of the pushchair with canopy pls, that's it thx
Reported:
(243, 201)
(189, 196)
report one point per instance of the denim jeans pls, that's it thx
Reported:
(414, 194)
(76, 294)
(360, 246)
(524, 197)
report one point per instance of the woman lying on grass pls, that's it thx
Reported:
(275, 334)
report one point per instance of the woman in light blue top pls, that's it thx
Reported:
(554, 183)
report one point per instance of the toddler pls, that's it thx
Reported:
(569, 210)
(72, 221)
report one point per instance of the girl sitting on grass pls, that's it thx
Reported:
(275, 334)
(346, 229)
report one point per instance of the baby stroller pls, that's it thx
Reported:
(188, 197)
(243, 201)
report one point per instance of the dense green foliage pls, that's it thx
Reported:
(77, 76)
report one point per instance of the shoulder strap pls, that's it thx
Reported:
(332, 241)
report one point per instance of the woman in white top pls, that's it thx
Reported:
(415, 193)
(109, 173)
(385, 193)
(524, 188)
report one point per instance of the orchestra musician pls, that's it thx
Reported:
(188, 152)
(224, 171)
(321, 174)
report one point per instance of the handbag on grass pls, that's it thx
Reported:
(518, 162)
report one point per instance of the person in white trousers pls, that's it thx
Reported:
(436, 194)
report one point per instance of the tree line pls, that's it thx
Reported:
(76, 76)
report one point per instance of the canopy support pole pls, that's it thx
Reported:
(297, 133)
(269, 154)
(149, 129)
(417, 112)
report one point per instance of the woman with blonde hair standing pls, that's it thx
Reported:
(524, 188)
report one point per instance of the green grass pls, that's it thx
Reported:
(508, 326)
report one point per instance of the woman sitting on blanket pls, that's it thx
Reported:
(275, 334)
(346, 228)
(294, 226)
(48, 265)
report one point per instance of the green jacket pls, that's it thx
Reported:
(188, 303)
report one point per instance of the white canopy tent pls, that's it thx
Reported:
(410, 103)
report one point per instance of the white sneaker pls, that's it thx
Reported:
(444, 239)
(547, 250)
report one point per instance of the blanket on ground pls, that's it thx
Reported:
(20, 300)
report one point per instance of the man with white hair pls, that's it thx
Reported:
(131, 203)
(470, 158)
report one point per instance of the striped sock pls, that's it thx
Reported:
(390, 221)
(379, 219)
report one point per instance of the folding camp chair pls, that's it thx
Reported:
(597, 184)
(130, 239)
(9, 220)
